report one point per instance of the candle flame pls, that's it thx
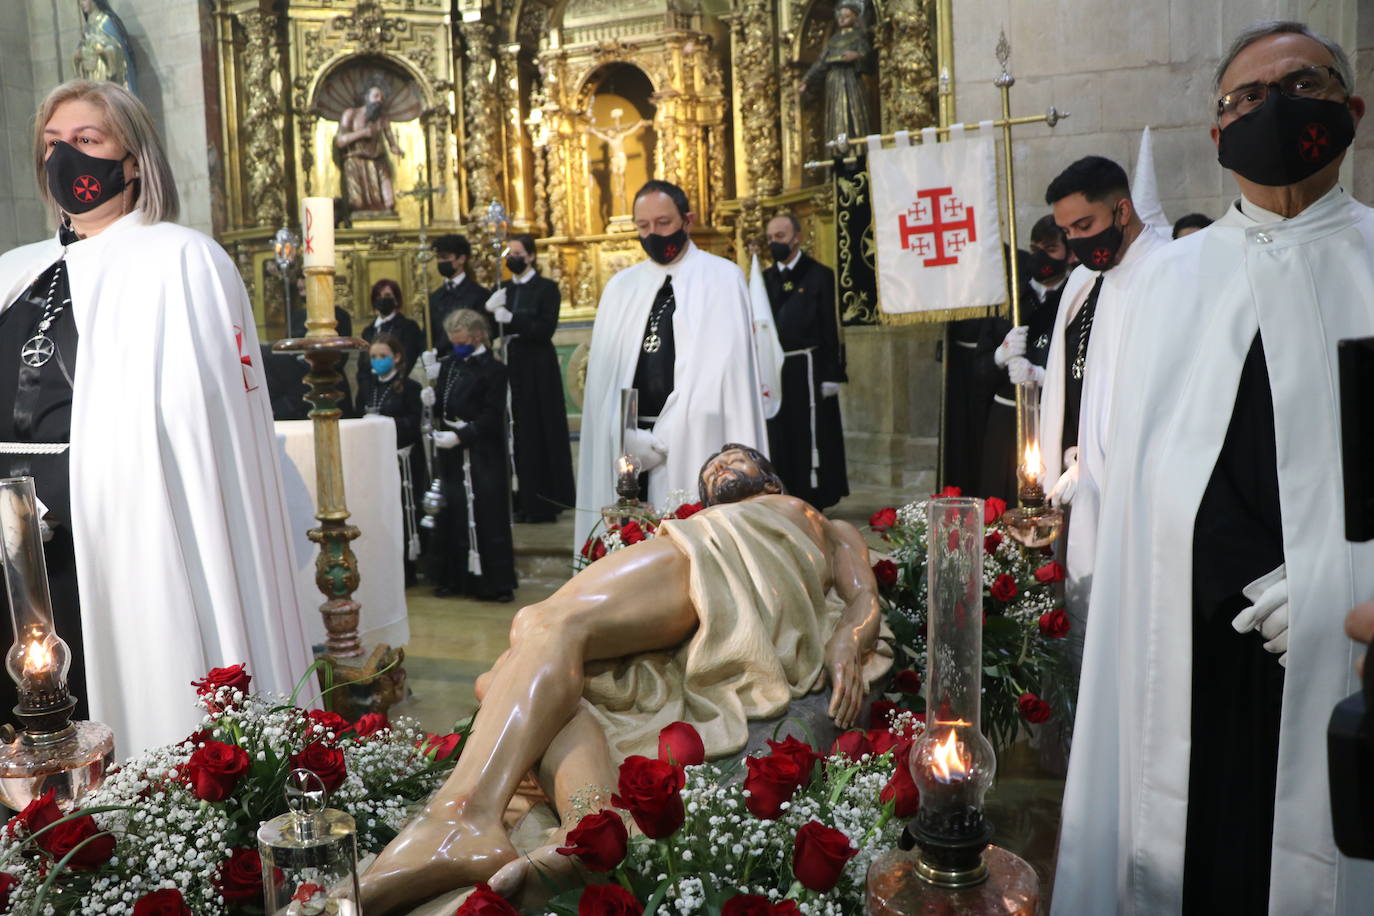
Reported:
(947, 761)
(1032, 465)
(625, 464)
(37, 658)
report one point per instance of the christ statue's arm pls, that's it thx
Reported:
(856, 631)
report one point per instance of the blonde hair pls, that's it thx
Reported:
(127, 121)
(468, 321)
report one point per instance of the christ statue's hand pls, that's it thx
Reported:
(843, 661)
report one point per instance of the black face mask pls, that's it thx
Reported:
(384, 305)
(1286, 140)
(80, 182)
(664, 248)
(1044, 267)
(779, 251)
(516, 264)
(1098, 252)
(447, 269)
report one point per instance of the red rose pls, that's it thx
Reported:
(885, 571)
(483, 901)
(1054, 624)
(947, 493)
(772, 780)
(166, 902)
(758, 905)
(992, 542)
(307, 891)
(608, 900)
(901, 788)
(879, 713)
(1050, 572)
(852, 745)
(1033, 709)
(439, 747)
(804, 754)
(327, 722)
(600, 840)
(651, 791)
(680, 744)
(993, 507)
(883, 519)
(1004, 588)
(324, 761)
(37, 814)
(240, 877)
(908, 681)
(882, 740)
(95, 847)
(631, 533)
(819, 856)
(234, 676)
(687, 510)
(370, 723)
(215, 769)
(8, 882)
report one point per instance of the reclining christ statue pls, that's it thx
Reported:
(721, 618)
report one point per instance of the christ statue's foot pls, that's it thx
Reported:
(443, 849)
(531, 880)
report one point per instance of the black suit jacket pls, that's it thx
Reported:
(467, 295)
(806, 315)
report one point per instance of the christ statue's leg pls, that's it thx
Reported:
(635, 600)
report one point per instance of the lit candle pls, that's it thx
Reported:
(317, 219)
(40, 670)
(947, 762)
(1031, 466)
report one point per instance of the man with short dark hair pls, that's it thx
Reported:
(459, 289)
(678, 327)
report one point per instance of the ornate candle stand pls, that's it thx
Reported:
(375, 679)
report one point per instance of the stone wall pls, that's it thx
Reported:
(21, 217)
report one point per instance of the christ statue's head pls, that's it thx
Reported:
(735, 473)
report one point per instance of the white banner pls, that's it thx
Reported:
(935, 224)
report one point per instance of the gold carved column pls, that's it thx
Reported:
(906, 71)
(756, 76)
(481, 119)
(262, 120)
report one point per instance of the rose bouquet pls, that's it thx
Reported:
(795, 835)
(1027, 673)
(173, 830)
(635, 525)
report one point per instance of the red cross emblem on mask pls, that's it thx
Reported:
(937, 227)
(1101, 257)
(86, 188)
(245, 361)
(1313, 141)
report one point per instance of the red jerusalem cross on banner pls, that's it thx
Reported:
(937, 227)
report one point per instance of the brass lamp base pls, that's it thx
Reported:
(932, 873)
(1033, 526)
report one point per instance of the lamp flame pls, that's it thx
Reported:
(947, 761)
(1031, 466)
(625, 464)
(37, 659)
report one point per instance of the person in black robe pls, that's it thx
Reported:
(525, 309)
(470, 435)
(386, 302)
(806, 438)
(459, 289)
(384, 391)
(968, 396)
(1042, 272)
(285, 372)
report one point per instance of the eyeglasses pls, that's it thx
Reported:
(1305, 83)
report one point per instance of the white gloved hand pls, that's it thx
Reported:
(44, 529)
(1014, 344)
(1268, 612)
(496, 300)
(503, 314)
(427, 397)
(444, 439)
(456, 425)
(1062, 493)
(430, 360)
(645, 446)
(1021, 370)
(830, 389)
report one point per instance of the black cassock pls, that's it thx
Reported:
(404, 330)
(447, 298)
(968, 393)
(473, 391)
(543, 453)
(36, 406)
(803, 303)
(399, 398)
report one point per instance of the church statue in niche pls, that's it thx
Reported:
(839, 69)
(367, 97)
(615, 137)
(104, 54)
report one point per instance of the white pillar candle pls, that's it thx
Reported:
(317, 223)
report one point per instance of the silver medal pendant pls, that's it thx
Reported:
(652, 343)
(1078, 369)
(37, 350)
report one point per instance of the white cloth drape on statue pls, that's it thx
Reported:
(178, 518)
(1191, 315)
(716, 394)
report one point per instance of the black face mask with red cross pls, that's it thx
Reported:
(80, 182)
(1286, 140)
(1098, 252)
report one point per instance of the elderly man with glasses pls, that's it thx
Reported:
(1214, 652)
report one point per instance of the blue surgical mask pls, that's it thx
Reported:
(463, 351)
(382, 365)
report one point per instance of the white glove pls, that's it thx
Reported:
(457, 425)
(1021, 370)
(444, 439)
(44, 529)
(427, 397)
(496, 300)
(1014, 344)
(830, 389)
(503, 314)
(430, 361)
(1268, 612)
(1064, 487)
(647, 447)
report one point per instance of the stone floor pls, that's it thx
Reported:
(452, 641)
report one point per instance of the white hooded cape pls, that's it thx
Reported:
(716, 392)
(178, 518)
(1192, 313)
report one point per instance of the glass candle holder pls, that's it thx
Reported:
(309, 855)
(1033, 522)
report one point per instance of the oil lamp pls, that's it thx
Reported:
(1034, 522)
(50, 751)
